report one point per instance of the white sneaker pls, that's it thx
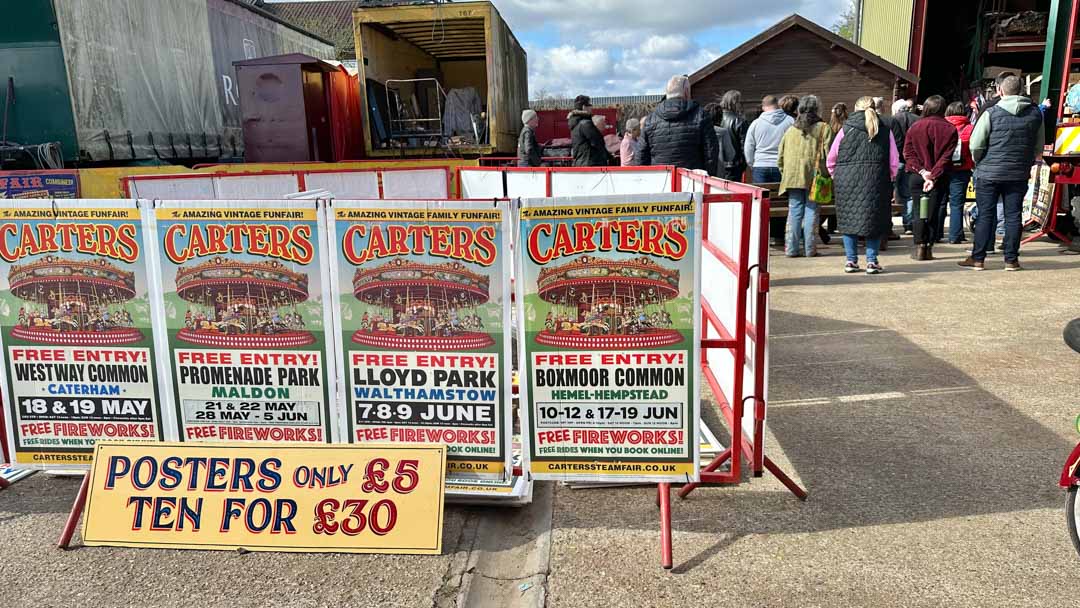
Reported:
(851, 267)
(874, 268)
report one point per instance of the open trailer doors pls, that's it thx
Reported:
(414, 61)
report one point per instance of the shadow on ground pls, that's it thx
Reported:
(940, 448)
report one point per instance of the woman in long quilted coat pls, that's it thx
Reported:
(863, 161)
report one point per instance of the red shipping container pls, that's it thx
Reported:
(553, 123)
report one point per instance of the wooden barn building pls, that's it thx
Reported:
(799, 57)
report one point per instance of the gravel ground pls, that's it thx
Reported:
(35, 573)
(940, 490)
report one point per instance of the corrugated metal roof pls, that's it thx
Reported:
(555, 103)
(331, 19)
(258, 7)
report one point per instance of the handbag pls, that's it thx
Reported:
(821, 190)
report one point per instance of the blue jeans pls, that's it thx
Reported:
(997, 217)
(958, 183)
(765, 175)
(851, 248)
(801, 223)
(987, 194)
(903, 194)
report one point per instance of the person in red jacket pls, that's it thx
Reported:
(928, 150)
(962, 164)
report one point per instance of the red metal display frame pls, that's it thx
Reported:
(299, 174)
(717, 191)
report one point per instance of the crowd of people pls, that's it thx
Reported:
(861, 161)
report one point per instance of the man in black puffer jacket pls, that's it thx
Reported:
(679, 132)
(587, 143)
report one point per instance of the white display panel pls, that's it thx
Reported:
(181, 188)
(600, 182)
(344, 184)
(481, 184)
(415, 183)
(246, 187)
(526, 184)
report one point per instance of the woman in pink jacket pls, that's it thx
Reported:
(631, 143)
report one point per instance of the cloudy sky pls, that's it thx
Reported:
(630, 47)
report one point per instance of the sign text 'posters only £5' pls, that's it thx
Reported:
(76, 330)
(608, 308)
(358, 499)
(243, 306)
(423, 310)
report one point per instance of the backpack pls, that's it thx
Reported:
(958, 152)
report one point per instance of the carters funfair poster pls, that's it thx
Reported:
(75, 330)
(609, 315)
(242, 298)
(423, 310)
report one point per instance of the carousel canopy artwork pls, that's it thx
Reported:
(243, 304)
(73, 302)
(608, 303)
(420, 306)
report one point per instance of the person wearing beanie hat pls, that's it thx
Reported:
(529, 153)
(586, 141)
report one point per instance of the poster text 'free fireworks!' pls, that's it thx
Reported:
(608, 299)
(242, 298)
(423, 314)
(288, 497)
(76, 330)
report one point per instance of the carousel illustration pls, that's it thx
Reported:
(243, 304)
(416, 306)
(607, 304)
(73, 302)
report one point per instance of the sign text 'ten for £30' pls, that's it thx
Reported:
(357, 499)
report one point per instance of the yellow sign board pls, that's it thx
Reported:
(367, 498)
(1067, 140)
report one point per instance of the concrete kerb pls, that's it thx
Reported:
(510, 559)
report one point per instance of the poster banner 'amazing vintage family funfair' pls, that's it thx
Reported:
(609, 316)
(423, 314)
(243, 303)
(76, 330)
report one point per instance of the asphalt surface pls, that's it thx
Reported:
(927, 410)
